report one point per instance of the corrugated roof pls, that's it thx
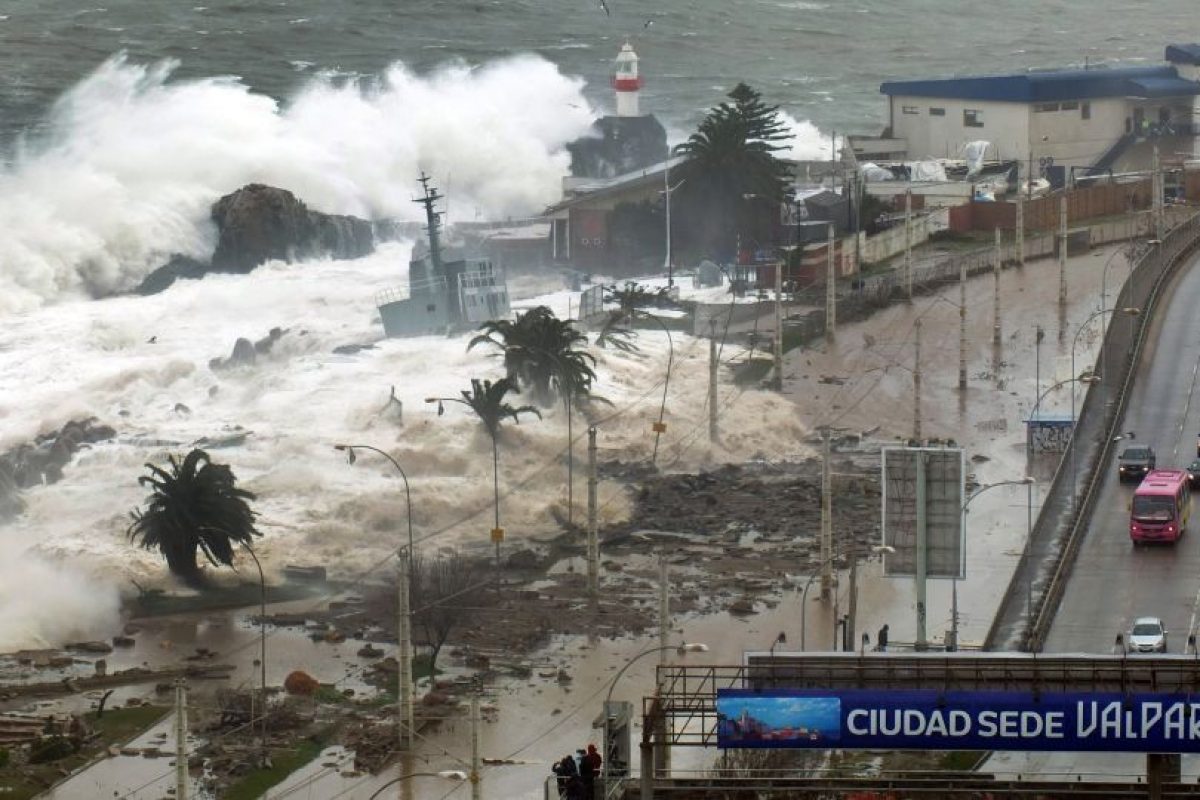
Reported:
(1183, 54)
(1038, 87)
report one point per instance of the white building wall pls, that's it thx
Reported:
(1060, 131)
(1005, 125)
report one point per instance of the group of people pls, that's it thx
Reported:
(577, 774)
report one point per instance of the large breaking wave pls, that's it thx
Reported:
(124, 169)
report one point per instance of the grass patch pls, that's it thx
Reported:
(116, 727)
(961, 760)
(283, 763)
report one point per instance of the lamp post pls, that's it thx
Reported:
(349, 450)
(262, 642)
(1027, 480)
(667, 190)
(497, 531)
(880, 548)
(446, 774)
(686, 647)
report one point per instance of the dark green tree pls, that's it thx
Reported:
(194, 505)
(542, 353)
(733, 182)
(486, 399)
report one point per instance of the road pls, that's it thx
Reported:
(1112, 582)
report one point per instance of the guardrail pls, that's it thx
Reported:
(1031, 600)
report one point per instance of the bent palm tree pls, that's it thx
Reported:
(196, 505)
(541, 353)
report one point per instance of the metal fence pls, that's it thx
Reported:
(1027, 609)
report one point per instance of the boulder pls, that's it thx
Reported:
(259, 223)
(301, 683)
(179, 267)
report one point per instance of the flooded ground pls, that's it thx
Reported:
(538, 719)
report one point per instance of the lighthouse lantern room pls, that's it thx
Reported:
(626, 82)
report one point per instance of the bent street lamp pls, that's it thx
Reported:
(686, 647)
(349, 449)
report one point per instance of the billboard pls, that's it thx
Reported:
(965, 720)
(938, 473)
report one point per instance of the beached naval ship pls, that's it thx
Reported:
(445, 294)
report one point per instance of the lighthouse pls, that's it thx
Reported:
(627, 82)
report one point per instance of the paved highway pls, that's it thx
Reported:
(1112, 582)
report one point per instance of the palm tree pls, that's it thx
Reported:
(541, 353)
(486, 399)
(731, 160)
(196, 505)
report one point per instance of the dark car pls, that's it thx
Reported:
(1194, 474)
(1135, 462)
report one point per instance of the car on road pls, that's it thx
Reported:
(1148, 635)
(1193, 472)
(1135, 462)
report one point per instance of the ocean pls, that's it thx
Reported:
(121, 124)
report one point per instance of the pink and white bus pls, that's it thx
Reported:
(1161, 506)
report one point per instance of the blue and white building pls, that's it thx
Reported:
(1103, 118)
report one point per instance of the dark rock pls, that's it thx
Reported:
(260, 223)
(123, 641)
(179, 267)
(264, 345)
(351, 349)
(182, 409)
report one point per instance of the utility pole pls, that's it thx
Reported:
(1020, 231)
(996, 292)
(779, 326)
(908, 265)
(1158, 188)
(852, 615)
(917, 381)
(663, 762)
(1062, 249)
(475, 777)
(593, 541)
(826, 516)
(404, 711)
(713, 434)
(962, 325)
(830, 287)
(922, 553)
(181, 749)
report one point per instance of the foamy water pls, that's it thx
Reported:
(81, 358)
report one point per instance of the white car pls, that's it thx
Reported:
(1148, 635)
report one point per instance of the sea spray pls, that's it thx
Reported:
(124, 170)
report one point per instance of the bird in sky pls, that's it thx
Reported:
(649, 22)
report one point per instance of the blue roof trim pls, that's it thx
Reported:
(1184, 54)
(1039, 87)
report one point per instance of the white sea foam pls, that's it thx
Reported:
(132, 160)
(77, 358)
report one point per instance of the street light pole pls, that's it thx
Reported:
(686, 647)
(349, 450)
(660, 427)
(965, 508)
(262, 640)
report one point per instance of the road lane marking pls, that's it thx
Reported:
(1183, 419)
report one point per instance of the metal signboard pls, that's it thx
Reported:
(923, 488)
(959, 720)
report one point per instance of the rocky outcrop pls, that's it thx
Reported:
(245, 353)
(260, 223)
(178, 267)
(43, 460)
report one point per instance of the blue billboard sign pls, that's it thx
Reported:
(932, 720)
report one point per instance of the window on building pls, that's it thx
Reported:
(1071, 106)
(1041, 108)
(972, 118)
(910, 109)
(1085, 111)
(937, 112)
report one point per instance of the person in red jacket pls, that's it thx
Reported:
(589, 770)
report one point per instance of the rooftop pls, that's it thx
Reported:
(1053, 85)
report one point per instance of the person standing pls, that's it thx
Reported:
(589, 770)
(566, 772)
(882, 640)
